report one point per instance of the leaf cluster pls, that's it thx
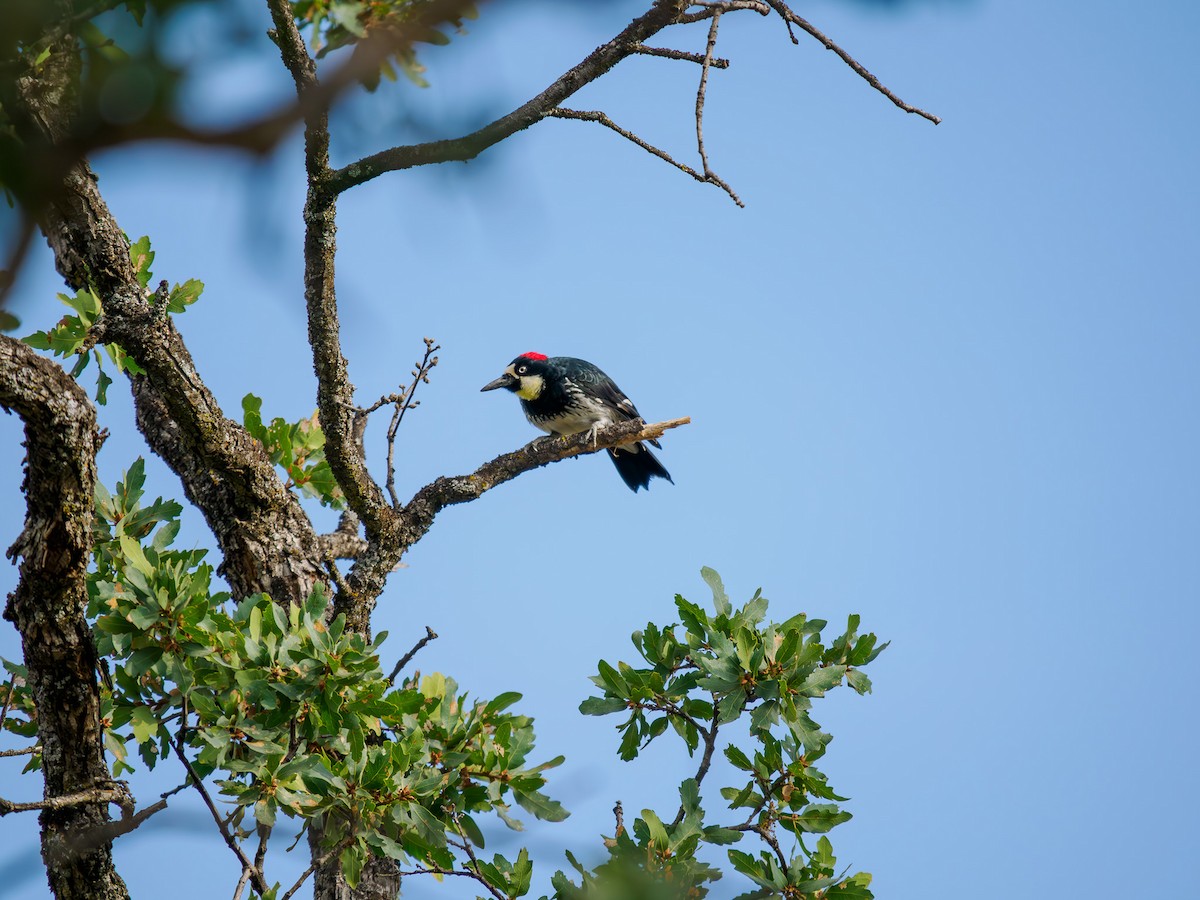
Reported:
(72, 336)
(700, 676)
(292, 715)
(298, 448)
(18, 713)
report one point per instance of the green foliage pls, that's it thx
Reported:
(291, 717)
(18, 715)
(701, 676)
(299, 449)
(292, 714)
(72, 335)
(340, 23)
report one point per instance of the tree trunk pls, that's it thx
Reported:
(48, 607)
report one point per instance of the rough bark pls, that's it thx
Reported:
(48, 608)
(266, 541)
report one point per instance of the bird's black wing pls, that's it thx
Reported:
(603, 388)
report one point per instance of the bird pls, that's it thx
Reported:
(563, 395)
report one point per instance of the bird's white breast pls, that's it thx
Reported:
(583, 413)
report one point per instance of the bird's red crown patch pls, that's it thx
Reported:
(535, 356)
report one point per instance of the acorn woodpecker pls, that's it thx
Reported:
(564, 395)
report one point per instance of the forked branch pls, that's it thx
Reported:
(630, 41)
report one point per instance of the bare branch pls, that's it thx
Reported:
(430, 635)
(789, 16)
(128, 822)
(584, 115)
(596, 64)
(264, 835)
(419, 514)
(710, 744)
(24, 751)
(464, 873)
(335, 393)
(708, 10)
(404, 403)
(685, 56)
(241, 884)
(114, 793)
(470, 851)
(709, 174)
(256, 876)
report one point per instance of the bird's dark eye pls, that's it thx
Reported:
(522, 369)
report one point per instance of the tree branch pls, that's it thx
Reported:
(420, 511)
(256, 876)
(430, 635)
(587, 115)
(341, 545)
(596, 64)
(404, 403)
(667, 53)
(130, 820)
(23, 751)
(629, 42)
(789, 16)
(93, 795)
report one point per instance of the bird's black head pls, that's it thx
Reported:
(525, 376)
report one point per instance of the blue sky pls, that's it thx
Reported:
(945, 377)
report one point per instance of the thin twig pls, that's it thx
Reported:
(767, 834)
(129, 821)
(404, 403)
(24, 751)
(682, 55)
(65, 801)
(256, 876)
(710, 743)
(316, 863)
(430, 635)
(438, 870)
(591, 115)
(708, 10)
(264, 834)
(241, 885)
(466, 846)
(709, 175)
(385, 400)
(849, 60)
(469, 146)
(700, 91)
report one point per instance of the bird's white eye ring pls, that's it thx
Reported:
(523, 369)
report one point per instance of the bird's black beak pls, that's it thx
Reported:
(504, 381)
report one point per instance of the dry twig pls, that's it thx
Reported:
(430, 635)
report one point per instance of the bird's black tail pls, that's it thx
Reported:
(637, 465)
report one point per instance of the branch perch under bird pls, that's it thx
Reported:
(448, 491)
